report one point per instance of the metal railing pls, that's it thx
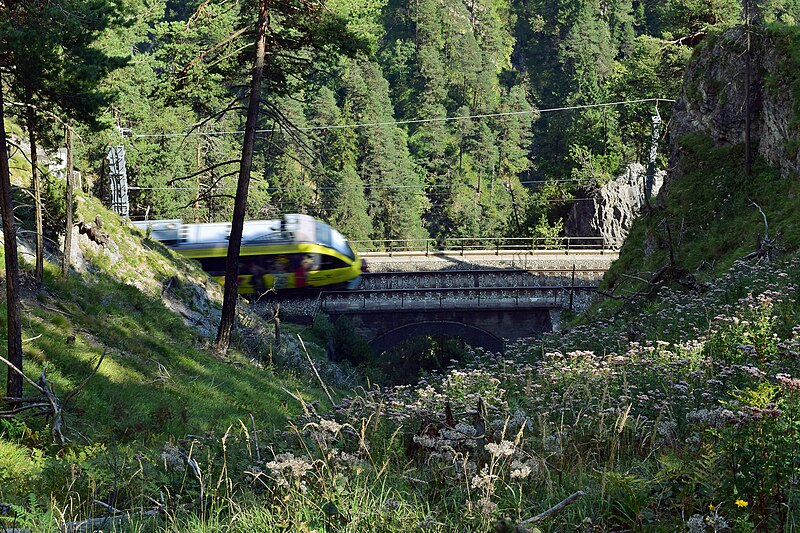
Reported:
(484, 244)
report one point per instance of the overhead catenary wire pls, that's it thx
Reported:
(404, 122)
(338, 188)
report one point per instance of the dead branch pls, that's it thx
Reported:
(766, 224)
(507, 526)
(209, 197)
(76, 390)
(112, 522)
(314, 368)
(203, 171)
(556, 508)
(616, 297)
(255, 438)
(184, 73)
(230, 106)
(764, 245)
(49, 405)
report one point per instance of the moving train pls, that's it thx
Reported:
(295, 252)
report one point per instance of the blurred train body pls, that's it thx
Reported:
(295, 252)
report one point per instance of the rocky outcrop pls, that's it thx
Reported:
(713, 99)
(611, 210)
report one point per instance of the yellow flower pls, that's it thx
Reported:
(711, 507)
(741, 503)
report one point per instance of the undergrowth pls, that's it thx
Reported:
(690, 422)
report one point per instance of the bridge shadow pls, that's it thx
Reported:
(472, 335)
(461, 264)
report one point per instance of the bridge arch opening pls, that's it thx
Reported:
(472, 335)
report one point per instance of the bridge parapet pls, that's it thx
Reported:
(477, 260)
(482, 306)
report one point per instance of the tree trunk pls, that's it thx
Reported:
(38, 273)
(69, 201)
(197, 182)
(14, 383)
(235, 240)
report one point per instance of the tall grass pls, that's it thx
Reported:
(692, 426)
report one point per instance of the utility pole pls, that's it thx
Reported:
(655, 134)
(118, 176)
(748, 163)
(197, 182)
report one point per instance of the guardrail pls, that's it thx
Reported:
(484, 244)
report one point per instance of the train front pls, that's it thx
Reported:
(353, 263)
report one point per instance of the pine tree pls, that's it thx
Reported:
(60, 69)
(342, 200)
(395, 190)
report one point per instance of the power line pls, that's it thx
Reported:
(411, 121)
(333, 188)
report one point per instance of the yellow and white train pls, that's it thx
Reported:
(295, 252)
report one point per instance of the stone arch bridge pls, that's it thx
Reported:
(488, 299)
(485, 308)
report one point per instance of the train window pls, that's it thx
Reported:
(331, 238)
(262, 261)
(215, 266)
(329, 263)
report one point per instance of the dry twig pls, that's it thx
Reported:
(49, 404)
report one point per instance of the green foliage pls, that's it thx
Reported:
(395, 199)
(62, 68)
(711, 213)
(348, 344)
(547, 234)
(54, 208)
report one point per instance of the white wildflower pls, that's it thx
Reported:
(505, 449)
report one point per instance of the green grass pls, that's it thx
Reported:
(159, 381)
(711, 214)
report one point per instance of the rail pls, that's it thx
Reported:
(484, 244)
(480, 271)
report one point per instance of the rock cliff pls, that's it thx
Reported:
(712, 103)
(713, 99)
(610, 212)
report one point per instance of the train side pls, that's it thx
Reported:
(295, 252)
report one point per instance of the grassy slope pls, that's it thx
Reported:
(711, 216)
(159, 380)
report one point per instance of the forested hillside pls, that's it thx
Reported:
(372, 142)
